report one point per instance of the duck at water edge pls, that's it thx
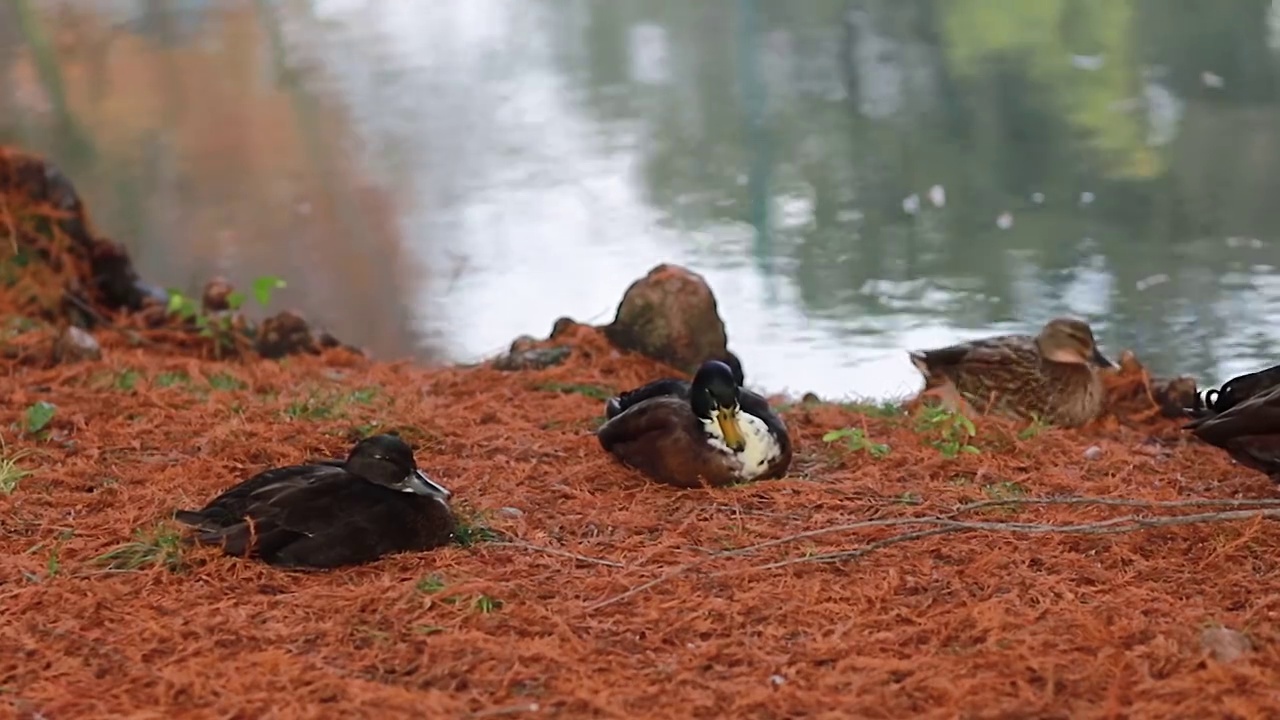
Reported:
(1053, 376)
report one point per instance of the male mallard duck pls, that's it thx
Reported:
(717, 435)
(1053, 375)
(1243, 418)
(1235, 391)
(330, 513)
(669, 386)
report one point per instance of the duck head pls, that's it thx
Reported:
(1068, 340)
(388, 461)
(714, 397)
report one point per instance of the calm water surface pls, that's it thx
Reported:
(853, 178)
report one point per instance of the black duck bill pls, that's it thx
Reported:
(418, 483)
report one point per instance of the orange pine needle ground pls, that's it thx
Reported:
(586, 590)
(976, 624)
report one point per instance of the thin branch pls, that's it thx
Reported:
(1119, 502)
(743, 551)
(508, 710)
(852, 554)
(1115, 526)
(944, 525)
(558, 553)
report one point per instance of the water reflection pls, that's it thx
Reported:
(854, 177)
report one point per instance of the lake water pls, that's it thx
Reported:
(853, 178)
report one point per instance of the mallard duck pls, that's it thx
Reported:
(674, 387)
(1053, 375)
(1235, 391)
(716, 435)
(1243, 418)
(330, 513)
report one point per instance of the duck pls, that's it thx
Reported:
(1243, 418)
(1234, 391)
(325, 514)
(1053, 376)
(674, 387)
(714, 435)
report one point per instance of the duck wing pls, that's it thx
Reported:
(230, 506)
(756, 404)
(672, 387)
(656, 416)
(984, 351)
(332, 521)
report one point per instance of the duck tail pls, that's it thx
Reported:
(921, 360)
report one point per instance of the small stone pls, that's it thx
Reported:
(670, 315)
(776, 680)
(1176, 395)
(285, 333)
(523, 343)
(511, 512)
(1093, 453)
(562, 326)
(75, 344)
(1224, 644)
(217, 295)
(532, 358)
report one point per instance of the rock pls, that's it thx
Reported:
(327, 341)
(511, 512)
(74, 345)
(671, 316)
(217, 295)
(562, 326)
(1175, 396)
(522, 357)
(285, 333)
(1093, 453)
(1224, 644)
(524, 343)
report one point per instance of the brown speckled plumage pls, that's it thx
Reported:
(1052, 376)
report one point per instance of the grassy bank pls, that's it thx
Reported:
(910, 565)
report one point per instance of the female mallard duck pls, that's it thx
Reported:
(670, 386)
(717, 435)
(1243, 418)
(330, 513)
(1053, 375)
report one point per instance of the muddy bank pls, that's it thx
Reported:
(904, 568)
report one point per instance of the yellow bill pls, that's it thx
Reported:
(728, 420)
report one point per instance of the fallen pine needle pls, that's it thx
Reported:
(557, 553)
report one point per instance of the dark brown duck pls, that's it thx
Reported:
(330, 513)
